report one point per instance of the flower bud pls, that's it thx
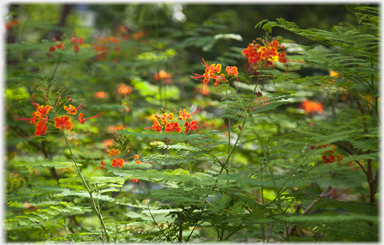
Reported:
(67, 96)
(63, 86)
(59, 97)
(46, 99)
(70, 99)
(46, 89)
(58, 93)
(63, 90)
(43, 95)
(59, 103)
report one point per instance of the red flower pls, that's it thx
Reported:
(172, 127)
(184, 114)
(232, 70)
(156, 126)
(190, 126)
(63, 123)
(117, 162)
(41, 110)
(71, 109)
(76, 48)
(328, 159)
(165, 117)
(41, 128)
(102, 165)
(74, 40)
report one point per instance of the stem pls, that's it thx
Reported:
(86, 186)
(277, 191)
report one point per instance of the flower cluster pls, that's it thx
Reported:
(171, 124)
(213, 72)
(60, 45)
(76, 41)
(329, 156)
(120, 148)
(267, 54)
(54, 101)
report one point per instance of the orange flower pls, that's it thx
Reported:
(190, 126)
(59, 46)
(108, 143)
(169, 127)
(165, 117)
(311, 107)
(232, 70)
(41, 110)
(209, 72)
(63, 123)
(114, 152)
(124, 89)
(138, 162)
(201, 90)
(166, 77)
(71, 109)
(117, 162)
(157, 126)
(184, 114)
(136, 157)
(100, 95)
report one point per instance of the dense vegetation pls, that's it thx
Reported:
(148, 124)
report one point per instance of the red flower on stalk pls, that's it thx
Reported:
(169, 127)
(63, 123)
(190, 126)
(117, 162)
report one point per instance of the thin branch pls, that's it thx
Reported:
(355, 160)
(157, 224)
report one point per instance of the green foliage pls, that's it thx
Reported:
(254, 169)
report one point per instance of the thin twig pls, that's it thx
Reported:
(355, 160)
(157, 224)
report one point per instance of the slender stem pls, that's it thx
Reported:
(86, 186)
(157, 224)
